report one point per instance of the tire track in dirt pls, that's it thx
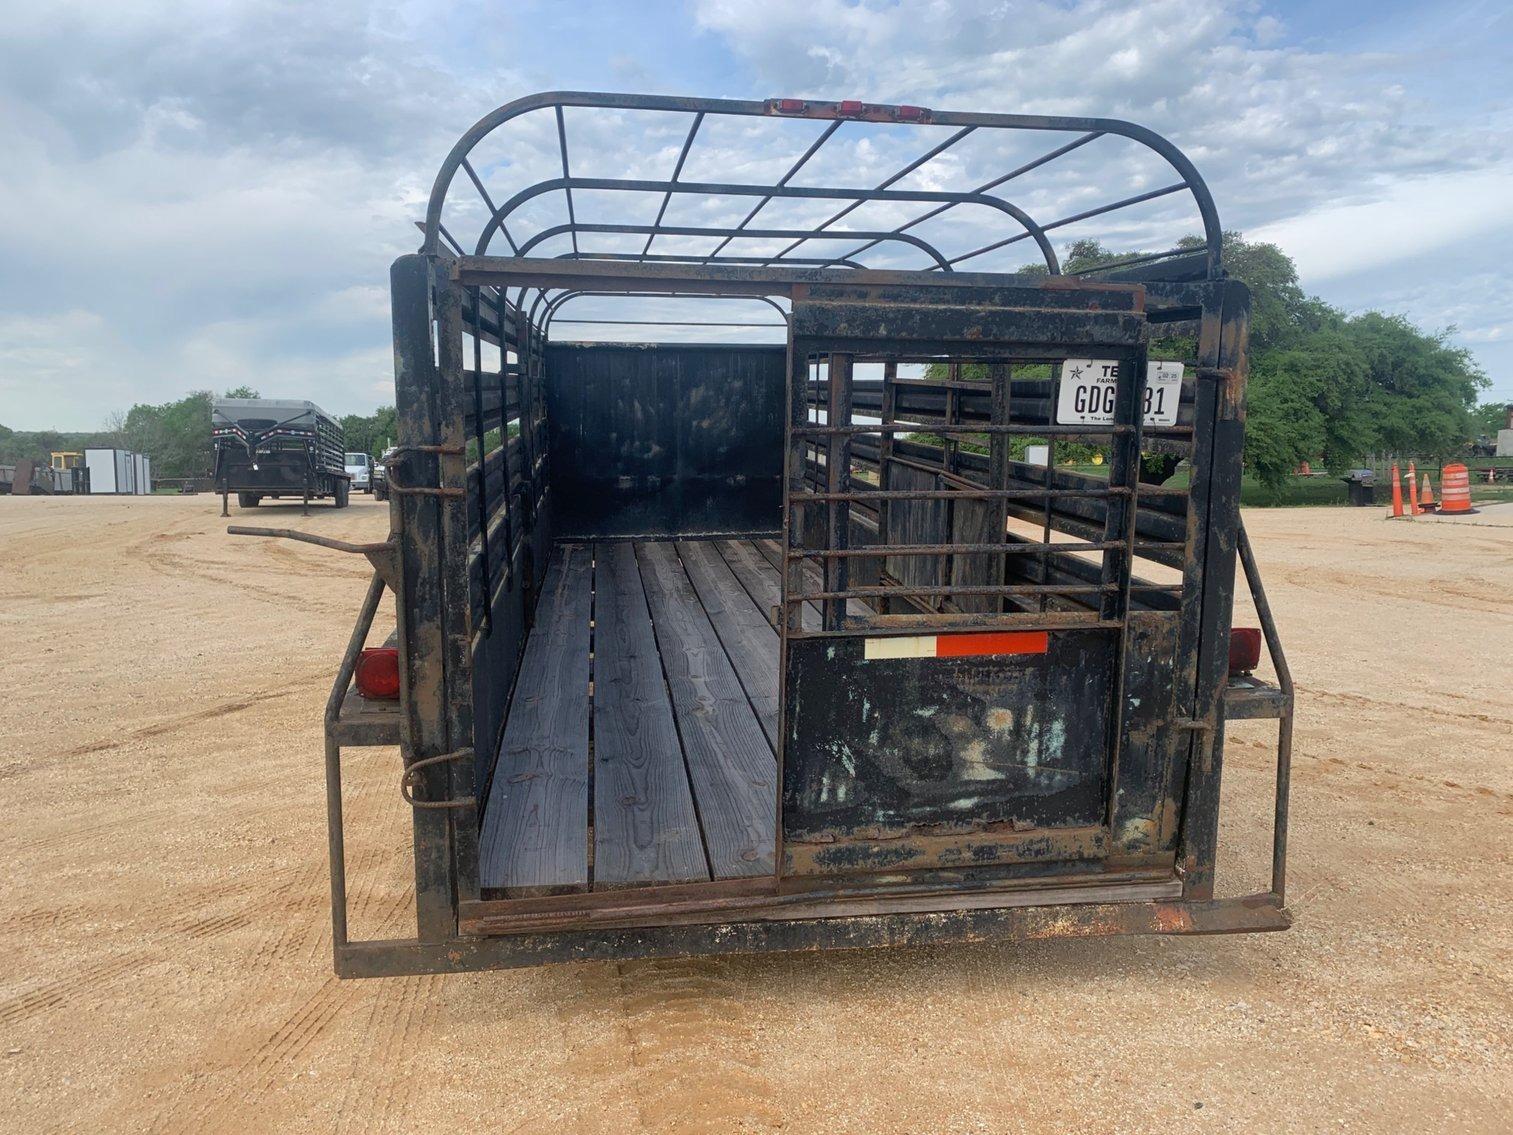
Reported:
(402, 1013)
(160, 728)
(177, 567)
(71, 990)
(1435, 593)
(1388, 777)
(257, 1068)
(153, 552)
(262, 1067)
(1383, 704)
(694, 1064)
(87, 986)
(295, 893)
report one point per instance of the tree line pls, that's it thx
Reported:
(1325, 387)
(176, 435)
(1328, 388)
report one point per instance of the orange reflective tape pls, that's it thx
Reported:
(1001, 642)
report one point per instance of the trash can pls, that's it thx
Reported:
(1361, 485)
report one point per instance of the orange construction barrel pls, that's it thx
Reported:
(1455, 490)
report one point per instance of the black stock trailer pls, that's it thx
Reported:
(275, 448)
(715, 647)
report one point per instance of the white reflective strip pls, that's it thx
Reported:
(908, 646)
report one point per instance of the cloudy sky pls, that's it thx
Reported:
(205, 195)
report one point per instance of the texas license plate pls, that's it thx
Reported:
(1088, 385)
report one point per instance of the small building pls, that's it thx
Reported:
(118, 471)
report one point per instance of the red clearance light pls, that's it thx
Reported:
(910, 113)
(1244, 649)
(378, 673)
(789, 106)
(850, 107)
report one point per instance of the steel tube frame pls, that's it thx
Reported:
(732, 189)
(747, 234)
(525, 329)
(834, 114)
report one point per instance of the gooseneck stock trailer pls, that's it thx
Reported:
(273, 448)
(731, 646)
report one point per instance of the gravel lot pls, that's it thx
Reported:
(164, 912)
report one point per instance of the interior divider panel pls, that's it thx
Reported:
(645, 827)
(749, 639)
(535, 827)
(730, 764)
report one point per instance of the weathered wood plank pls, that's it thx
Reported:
(535, 828)
(761, 579)
(645, 827)
(749, 639)
(730, 763)
(814, 579)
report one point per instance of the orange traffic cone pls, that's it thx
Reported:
(1413, 509)
(1397, 494)
(1455, 490)
(1426, 496)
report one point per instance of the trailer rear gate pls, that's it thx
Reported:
(713, 647)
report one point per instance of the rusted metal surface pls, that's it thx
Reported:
(922, 799)
(894, 743)
(1230, 916)
(703, 903)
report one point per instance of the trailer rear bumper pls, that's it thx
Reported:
(1260, 912)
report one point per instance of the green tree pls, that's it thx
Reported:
(1422, 389)
(242, 392)
(369, 433)
(176, 435)
(1486, 419)
(1307, 403)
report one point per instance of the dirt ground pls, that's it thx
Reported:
(165, 932)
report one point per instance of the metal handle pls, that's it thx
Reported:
(412, 780)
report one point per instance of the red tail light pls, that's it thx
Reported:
(378, 673)
(1244, 649)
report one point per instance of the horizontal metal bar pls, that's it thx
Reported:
(925, 622)
(974, 589)
(928, 426)
(953, 494)
(711, 231)
(667, 323)
(878, 550)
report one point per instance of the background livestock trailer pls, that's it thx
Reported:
(727, 646)
(272, 448)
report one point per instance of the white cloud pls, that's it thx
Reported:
(1406, 220)
(212, 200)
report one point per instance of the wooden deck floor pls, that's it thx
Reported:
(640, 740)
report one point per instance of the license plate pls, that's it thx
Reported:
(1087, 392)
